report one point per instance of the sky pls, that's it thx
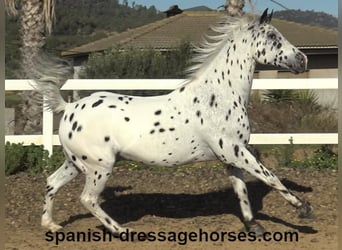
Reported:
(328, 6)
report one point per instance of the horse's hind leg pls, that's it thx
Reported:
(59, 178)
(96, 179)
(236, 177)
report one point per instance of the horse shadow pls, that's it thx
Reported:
(126, 208)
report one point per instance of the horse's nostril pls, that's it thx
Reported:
(301, 58)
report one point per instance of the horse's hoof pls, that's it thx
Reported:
(126, 231)
(53, 227)
(48, 223)
(254, 227)
(305, 210)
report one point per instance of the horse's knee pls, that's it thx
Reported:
(85, 200)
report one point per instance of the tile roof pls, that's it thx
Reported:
(167, 33)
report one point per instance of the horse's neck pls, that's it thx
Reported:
(231, 72)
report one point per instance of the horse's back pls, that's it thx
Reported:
(109, 120)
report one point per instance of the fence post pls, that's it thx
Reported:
(47, 130)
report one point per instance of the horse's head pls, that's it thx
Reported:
(271, 47)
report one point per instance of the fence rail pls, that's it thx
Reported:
(48, 139)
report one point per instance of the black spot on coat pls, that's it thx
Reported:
(71, 117)
(236, 150)
(212, 100)
(95, 104)
(221, 143)
(74, 126)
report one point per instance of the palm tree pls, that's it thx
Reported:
(36, 18)
(234, 7)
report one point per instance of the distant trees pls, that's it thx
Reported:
(79, 22)
(87, 16)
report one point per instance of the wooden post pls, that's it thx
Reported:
(48, 130)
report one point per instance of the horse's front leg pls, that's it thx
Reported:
(240, 157)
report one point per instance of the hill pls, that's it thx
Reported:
(309, 17)
(199, 8)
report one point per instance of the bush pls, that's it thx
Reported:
(136, 63)
(55, 160)
(15, 158)
(297, 111)
(32, 159)
(36, 158)
(322, 158)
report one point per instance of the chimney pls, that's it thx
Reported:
(173, 10)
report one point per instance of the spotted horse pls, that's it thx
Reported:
(204, 119)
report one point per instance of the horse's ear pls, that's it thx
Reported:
(270, 17)
(265, 18)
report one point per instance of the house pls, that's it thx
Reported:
(319, 44)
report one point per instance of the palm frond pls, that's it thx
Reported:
(49, 14)
(11, 7)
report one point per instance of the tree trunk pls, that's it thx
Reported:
(32, 30)
(35, 18)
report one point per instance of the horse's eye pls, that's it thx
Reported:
(272, 36)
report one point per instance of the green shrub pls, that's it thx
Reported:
(135, 63)
(55, 160)
(18, 158)
(323, 158)
(36, 158)
(15, 157)
(279, 95)
(32, 159)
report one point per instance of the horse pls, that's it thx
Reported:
(203, 119)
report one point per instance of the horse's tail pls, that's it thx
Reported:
(50, 97)
(49, 74)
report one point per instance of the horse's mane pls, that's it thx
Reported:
(212, 44)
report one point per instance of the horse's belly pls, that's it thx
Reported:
(166, 153)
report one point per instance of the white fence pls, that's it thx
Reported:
(48, 139)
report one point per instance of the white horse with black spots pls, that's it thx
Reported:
(204, 119)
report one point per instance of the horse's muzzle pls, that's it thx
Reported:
(300, 64)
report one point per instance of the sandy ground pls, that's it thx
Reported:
(174, 201)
